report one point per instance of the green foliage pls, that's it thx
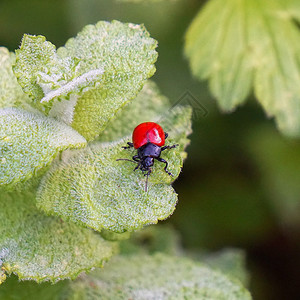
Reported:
(92, 188)
(11, 93)
(126, 54)
(29, 142)
(42, 248)
(91, 77)
(83, 85)
(156, 277)
(238, 45)
(141, 276)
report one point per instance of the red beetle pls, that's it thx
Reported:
(148, 138)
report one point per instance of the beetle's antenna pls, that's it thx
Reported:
(146, 185)
(127, 160)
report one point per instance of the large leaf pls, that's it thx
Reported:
(126, 54)
(38, 247)
(240, 44)
(89, 79)
(11, 93)
(156, 277)
(29, 142)
(138, 277)
(92, 188)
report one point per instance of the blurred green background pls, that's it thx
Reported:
(240, 184)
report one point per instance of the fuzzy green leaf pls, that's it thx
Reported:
(162, 277)
(42, 248)
(238, 45)
(127, 55)
(89, 79)
(29, 142)
(156, 277)
(91, 188)
(11, 93)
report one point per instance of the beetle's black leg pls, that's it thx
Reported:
(169, 147)
(138, 160)
(166, 135)
(130, 145)
(138, 166)
(166, 166)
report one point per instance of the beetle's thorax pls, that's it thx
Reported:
(149, 150)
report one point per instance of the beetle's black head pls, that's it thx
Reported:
(147, 162)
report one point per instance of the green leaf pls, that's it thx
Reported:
(42, 248)
(11, 93)
(36, 59)
(89, 79)
(29, 142)
(127, 55)
(137, 277)
(240, 44)
(156, 277)
(91, 188)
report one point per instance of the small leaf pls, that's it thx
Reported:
(35, 56)
(29, 142)
(156, 277)
(11, 93)
(127, 55)
(42, 248)
(238, 45)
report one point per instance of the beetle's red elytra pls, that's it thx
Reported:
(149, 139)
(148, 132)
